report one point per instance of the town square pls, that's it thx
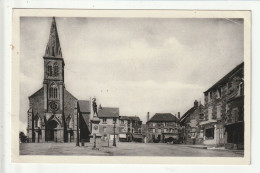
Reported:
(141, 117)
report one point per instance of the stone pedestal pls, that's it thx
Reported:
(95, 130)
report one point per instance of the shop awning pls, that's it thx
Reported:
(171, 136)
(138, 136)
(122, 135)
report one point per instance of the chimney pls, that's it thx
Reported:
(148, 116)
(179, 115)
(196, 103)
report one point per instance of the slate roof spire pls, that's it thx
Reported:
(53, 48)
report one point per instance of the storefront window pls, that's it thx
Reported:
(209, 133)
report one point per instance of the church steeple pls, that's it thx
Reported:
(53, 48)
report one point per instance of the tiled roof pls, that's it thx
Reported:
(226, 77)
(108, 112)
(134, 118)
(163, 117)
(124, 118)
(84, 106)
(37, 92)
(187, 114)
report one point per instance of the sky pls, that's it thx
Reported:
(156, 65)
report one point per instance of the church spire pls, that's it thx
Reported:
(53, 48)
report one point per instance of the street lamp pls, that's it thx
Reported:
(114, 140)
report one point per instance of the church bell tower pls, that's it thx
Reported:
(53, 82)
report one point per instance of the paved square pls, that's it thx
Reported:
(124, 149)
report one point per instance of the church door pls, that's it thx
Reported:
(51, 132)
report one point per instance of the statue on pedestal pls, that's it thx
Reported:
(94, 106)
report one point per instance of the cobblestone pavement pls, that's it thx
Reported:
(124, 149)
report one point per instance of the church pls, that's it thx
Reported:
(54, 112)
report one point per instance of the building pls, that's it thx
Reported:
(125, 131)
(189, 122)
(52, 115)
(109, 123)
(135, 129)
(223, 124)
(162, 127)
(130, 129)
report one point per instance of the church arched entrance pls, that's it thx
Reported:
(51, 132)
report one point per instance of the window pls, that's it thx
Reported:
(165, 130)
(234, 114)
(53, 91)
(153, 130)
(240, 89)
(159, 131)
(139, 130)
(54, 106)
(104, 129)
(56, 69)
(154, 124)
(104, 120)
(49, 70)
(218, 111)
(122, 121)
(36, 122)
(209, 96)
(70, 123)
(209, 133)
(114, 120)
(201, 116)
(210, 113)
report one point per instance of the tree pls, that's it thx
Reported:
(22, 137)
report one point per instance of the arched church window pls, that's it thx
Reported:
(53, 91)
(37, 121)
(49, 70)
(56, 69)
(70, 123)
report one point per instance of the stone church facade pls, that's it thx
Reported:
(52, 116)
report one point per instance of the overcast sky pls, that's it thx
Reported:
(138, 65)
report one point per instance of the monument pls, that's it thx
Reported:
(95, 123)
